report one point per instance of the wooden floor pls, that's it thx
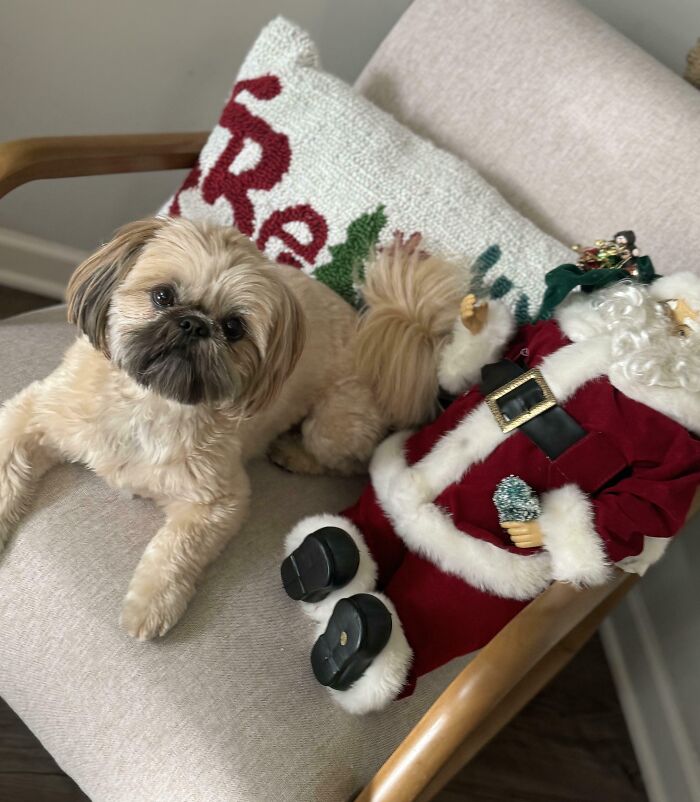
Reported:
(570, 744)
(27, 771)
(14, 302)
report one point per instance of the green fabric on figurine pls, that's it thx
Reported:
(604, 263)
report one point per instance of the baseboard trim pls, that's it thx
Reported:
(633, 714)
(36, 265)
(34, 284)
(653, 679)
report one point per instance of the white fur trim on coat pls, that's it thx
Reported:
(465, 354)
(407, 494)
(652, 551)
(579, 319)
(568, 529)
(677, 403)
(477, 435)
(364, 580)
(682, 284)
(386, 676)
(430, 532)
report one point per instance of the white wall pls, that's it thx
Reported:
(652, 641)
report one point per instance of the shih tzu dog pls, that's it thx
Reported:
(195, 354)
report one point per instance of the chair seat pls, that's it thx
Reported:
(223, 708)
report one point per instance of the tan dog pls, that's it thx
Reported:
(195, 354)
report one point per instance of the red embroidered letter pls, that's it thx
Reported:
(275, 153)
(273, 227)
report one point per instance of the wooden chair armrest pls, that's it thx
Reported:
(476, 692)
(25, 160)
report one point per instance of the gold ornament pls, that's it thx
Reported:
(606, 255)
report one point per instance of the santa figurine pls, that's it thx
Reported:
(592, 417)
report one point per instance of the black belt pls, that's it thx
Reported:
(521, 399)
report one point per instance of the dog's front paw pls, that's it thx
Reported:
(150, 612)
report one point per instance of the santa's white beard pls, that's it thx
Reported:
(645, 349)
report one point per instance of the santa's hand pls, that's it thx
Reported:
(473, 314)
(524, 534)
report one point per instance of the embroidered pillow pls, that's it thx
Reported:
(317, 176)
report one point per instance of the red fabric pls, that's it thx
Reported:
(639, 468)
(273, 227)
(273, 164)
(443, 616)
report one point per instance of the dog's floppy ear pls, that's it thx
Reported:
(91, 286)
(285, 343)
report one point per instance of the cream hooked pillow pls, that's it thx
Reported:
(317, 176)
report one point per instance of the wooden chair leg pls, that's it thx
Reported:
(531, 684)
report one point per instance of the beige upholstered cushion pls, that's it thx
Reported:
(579, 129)
(223, 708)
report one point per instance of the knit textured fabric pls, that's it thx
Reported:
(318, 176)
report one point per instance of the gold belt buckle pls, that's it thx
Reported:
(548, 400)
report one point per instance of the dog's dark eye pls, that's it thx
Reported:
(233, 328)
(163, 296)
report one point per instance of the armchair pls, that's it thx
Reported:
(517, 663)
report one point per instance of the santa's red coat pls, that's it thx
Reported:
(631, 478)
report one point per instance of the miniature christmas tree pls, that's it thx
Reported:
(515, 500)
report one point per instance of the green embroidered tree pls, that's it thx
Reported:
(345, 272)
(500, 287)
(483, 263)
(522, 310)
(346, 268)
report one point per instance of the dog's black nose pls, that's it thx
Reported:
(194, 327)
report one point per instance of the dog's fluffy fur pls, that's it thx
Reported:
(411, 300)
(174, 417)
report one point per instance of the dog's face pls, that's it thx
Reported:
(193, 312)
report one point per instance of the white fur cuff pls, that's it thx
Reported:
(465, 354)
(364, 580)
(568, 529)
(682, 284)
(386, 676)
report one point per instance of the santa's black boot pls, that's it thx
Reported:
(326, 560)
(358, 629)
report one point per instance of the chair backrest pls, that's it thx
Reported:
(577, 127)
